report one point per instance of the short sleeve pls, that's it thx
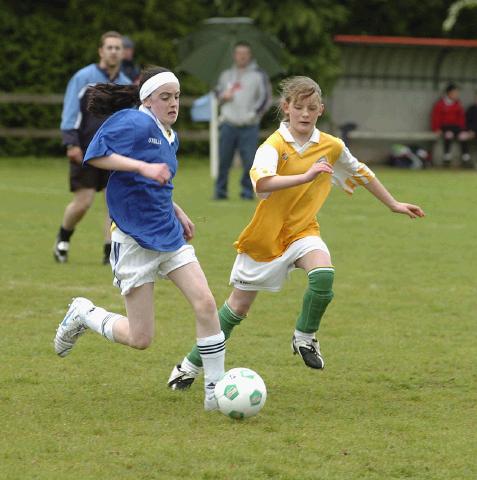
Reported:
(264, 165)
(71, 102)
(116, 135)
(349, 172)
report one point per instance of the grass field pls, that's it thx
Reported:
(397, 399)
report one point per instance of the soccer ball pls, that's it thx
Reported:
(240, 393)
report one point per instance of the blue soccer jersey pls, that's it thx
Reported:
(139, 206)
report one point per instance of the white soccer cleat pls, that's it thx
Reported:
(72, 326)
(210, 401)
(60, 251)
(181, 379)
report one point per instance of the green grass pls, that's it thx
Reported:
(397, 399)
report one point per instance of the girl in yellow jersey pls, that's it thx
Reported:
(292, 174)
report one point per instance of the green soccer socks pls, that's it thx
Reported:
(317, 297)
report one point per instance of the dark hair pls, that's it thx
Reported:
(451, 86)
(127, 42)
(107, 98)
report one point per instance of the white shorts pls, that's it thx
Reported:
(247, 274)
(134, 265)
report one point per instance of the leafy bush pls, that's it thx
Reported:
(45, 42)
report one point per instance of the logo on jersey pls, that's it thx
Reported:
(155, 141)
(284, 156)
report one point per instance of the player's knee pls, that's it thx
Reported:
(240, 307)
(83, 209)
(321, 282)
(205, 306)
(83, 199)
(240, 301)
(81, 206)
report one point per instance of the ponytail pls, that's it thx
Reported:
(107, 98)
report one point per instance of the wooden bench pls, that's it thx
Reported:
(395, 137)
(379, 143)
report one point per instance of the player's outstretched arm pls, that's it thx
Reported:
(382, 194)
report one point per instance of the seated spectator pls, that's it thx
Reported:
(448, 121)
(471, 119)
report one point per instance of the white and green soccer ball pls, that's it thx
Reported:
(240, 393)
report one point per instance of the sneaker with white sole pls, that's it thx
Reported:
(309, 352)
(72, 326)
(60, 251)
(180, 379)
(210, 401)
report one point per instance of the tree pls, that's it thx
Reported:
(454, 13)
(305, 27)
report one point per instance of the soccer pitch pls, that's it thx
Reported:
(397, 398)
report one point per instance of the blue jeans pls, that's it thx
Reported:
(231, 138)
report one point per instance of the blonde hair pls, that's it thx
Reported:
(293, 89)
(110, 34)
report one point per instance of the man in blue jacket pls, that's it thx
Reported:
(78, 127)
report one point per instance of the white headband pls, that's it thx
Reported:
(155, 82)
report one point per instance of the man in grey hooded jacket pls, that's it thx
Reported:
(244, 95)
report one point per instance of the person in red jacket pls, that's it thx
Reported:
(448, 121)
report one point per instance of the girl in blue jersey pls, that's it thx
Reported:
(149, 231)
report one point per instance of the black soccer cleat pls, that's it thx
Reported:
(309, 352)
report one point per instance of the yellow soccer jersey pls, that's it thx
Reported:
(283, 216)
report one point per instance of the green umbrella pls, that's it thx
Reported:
(208, 51)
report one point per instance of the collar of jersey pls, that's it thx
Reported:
(106, 74)
(170, 138)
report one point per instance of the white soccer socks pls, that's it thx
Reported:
(102, 322)
(212, 352)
